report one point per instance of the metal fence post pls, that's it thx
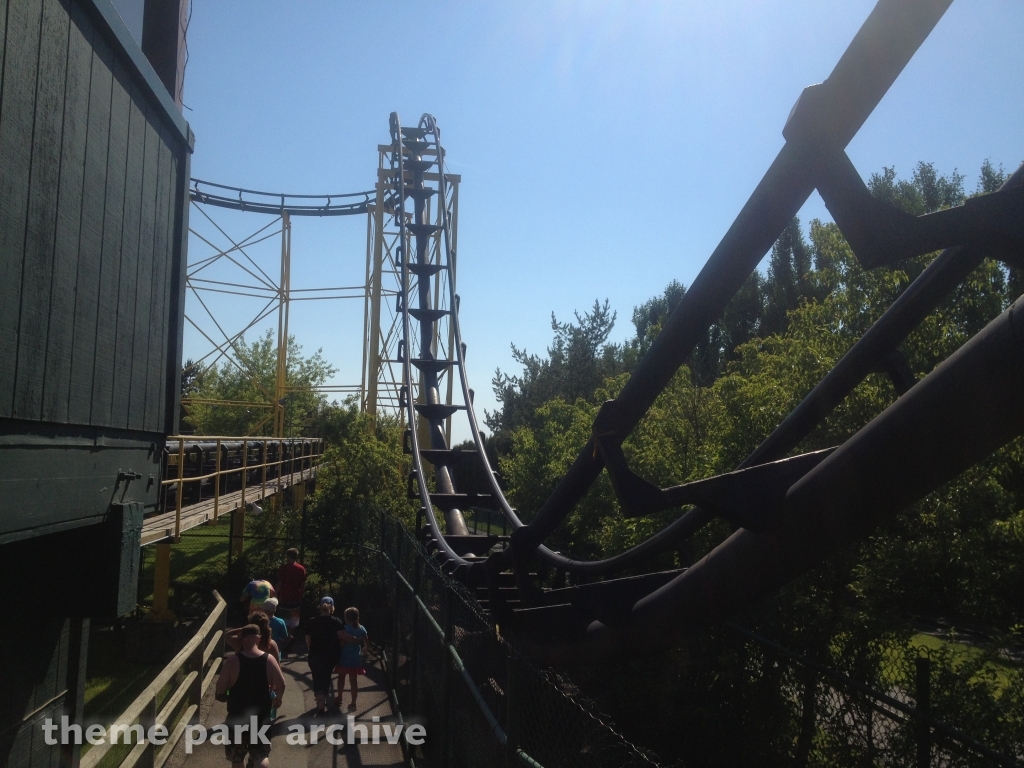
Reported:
(395, 623)
(358, 557)
(513, 696)
(237, 531)
(446, 676)
(808, 718)
(923, 681)
(414, 671)
(302, 533)
(230, 539)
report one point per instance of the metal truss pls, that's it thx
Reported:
(382, 374)
(274, 295)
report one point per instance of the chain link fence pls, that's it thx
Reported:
(893, 704)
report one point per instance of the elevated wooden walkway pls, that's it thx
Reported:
(162, 526)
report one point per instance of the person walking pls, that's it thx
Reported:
(324, 635)
(350, 663)
(256, 592)
(278, 629)
(233, 637)
(247, 681)
(291, 586)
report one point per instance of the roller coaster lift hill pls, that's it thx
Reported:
(789, 512)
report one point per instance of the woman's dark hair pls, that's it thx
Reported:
(259, 618)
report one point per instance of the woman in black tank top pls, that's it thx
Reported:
(250, 695)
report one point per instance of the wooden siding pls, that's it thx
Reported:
(91, 217)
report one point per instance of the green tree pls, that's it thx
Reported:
(788, 281)
(577, 363)
(363, 473)
(957, 555)
(702, 425)
(253, 379)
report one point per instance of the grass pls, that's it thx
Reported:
(112, 682)
(201, 557)
(963, 653)
(901, 675)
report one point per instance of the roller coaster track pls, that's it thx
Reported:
(275, 203)
(789, 512)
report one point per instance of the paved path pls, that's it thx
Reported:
(298, 708)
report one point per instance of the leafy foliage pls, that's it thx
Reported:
(253, 379)
(577, 363)
(953, 558)
(795, 324)
(363, 471)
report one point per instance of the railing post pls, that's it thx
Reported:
(513, 696)
(74, 697)
(162, 581)
(414, 655)
(245, 467)
(237, 531)
(231, 538)
(181, 487)
(923, 684)
(147, 720)
(216, 486)
(358, 556)
(808, 718)
(195, 663)
(264, 456)
(222, 627)
(302, 527)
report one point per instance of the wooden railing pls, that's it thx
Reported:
(293, 454)
(196, 665)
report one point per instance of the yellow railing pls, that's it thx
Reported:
(243, 446)
(200, 661)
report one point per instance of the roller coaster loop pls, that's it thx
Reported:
(789, 512)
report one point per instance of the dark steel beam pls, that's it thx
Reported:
(965, 409)
(826, 117)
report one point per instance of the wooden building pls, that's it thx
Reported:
(94, 170)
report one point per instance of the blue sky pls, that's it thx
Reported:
(604, 146)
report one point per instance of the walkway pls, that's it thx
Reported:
(299, 705)
(161, 526)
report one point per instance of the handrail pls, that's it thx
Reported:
(194, 657)
(187, 444)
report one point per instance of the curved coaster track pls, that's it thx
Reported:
(789, 512)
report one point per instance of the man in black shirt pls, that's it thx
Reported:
(324, 635)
